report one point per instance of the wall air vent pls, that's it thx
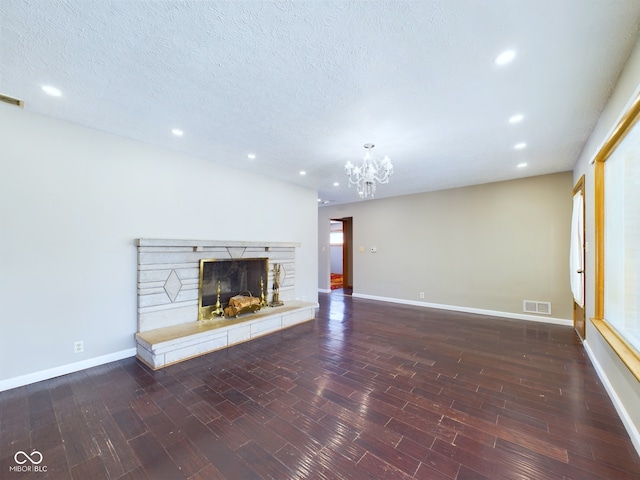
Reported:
(11, 100)
(532, 306)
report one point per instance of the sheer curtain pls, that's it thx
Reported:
(576, 257)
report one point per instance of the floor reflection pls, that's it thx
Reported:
(336, 306)
(337, 309)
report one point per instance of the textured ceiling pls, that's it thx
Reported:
(305, 84)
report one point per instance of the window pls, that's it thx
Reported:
(617, 209)
(336, 237)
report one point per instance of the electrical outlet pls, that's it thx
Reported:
(421, 294)
(78, 347)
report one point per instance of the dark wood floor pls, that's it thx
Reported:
(367, 390)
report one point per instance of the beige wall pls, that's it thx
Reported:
(621, 384)
(486, 247)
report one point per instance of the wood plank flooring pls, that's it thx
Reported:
(367, 391)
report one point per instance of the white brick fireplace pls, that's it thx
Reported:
(168, 280)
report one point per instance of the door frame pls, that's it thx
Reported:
(347, 250)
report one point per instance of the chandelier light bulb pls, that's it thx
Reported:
(370, 173)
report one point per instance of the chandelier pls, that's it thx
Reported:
(371, 171)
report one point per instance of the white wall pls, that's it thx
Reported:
(72, 202)
(622, 385)
(336, 259)
(336, 250)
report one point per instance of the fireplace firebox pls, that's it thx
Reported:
(230, 277)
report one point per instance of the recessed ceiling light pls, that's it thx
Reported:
(336, 184)
(302, 172)
(520, 146)
(319, 200)
(505, 57)
(177, 132)
(522, 165)
(53, 91)
(251, 156)
(516, 118)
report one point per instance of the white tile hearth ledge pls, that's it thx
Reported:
(168, 345)
(168, 271)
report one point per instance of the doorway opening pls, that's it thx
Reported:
(341, 255)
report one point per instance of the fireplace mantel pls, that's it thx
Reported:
(168, 278)
(198, 245)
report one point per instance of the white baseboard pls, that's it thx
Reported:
(30, 378)
(479, 311)
(324, 290)
(617, 403)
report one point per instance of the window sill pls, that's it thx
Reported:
(626, 353)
